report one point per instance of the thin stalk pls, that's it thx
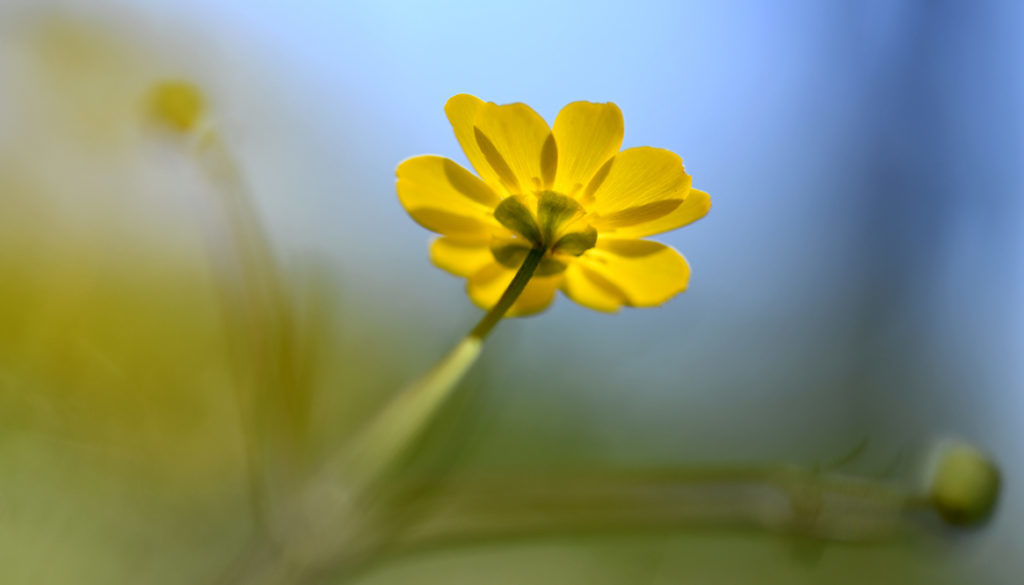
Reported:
(343, 498)
(237, 254)
(784, 500)
(515, 288)
(408, 415)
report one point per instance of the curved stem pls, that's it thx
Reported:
(360, 467)
(515, 288)
(258, 327)
(410, 412)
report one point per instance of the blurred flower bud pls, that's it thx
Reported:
(964, 485)
(177, 104)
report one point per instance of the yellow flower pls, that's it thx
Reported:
(566, 190)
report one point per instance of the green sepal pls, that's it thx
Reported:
(553, 210)
(514, 215)
(576, 243)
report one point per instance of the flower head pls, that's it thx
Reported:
(177, 105)
(566, 190)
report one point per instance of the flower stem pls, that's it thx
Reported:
(784, 499)
(388, 436)
(515, 288)
(358, 471)
(272, 405)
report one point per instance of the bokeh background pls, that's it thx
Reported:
(858, 278)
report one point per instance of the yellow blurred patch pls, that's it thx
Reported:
(177, 104)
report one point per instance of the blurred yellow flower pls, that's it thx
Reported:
(566, 190)
(177, 104)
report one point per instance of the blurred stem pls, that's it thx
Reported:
(336, 517)
(259, 328)
(392, 432)
(786, 500)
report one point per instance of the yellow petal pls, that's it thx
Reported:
(695, 206)
(646, 213)
(587, 135)
(648, 273)
(461, 256)
(517, 145)
(444, 197)
(461, 111)
(636, 186)
(489, 283)
(591, 290)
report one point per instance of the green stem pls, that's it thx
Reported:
(472, 511)
(373, 452)
(515, 288)
(388, 436)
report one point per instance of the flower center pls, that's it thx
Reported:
(554, 224)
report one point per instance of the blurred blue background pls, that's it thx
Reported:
(859, 275)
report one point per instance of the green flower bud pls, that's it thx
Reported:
(965, 486)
